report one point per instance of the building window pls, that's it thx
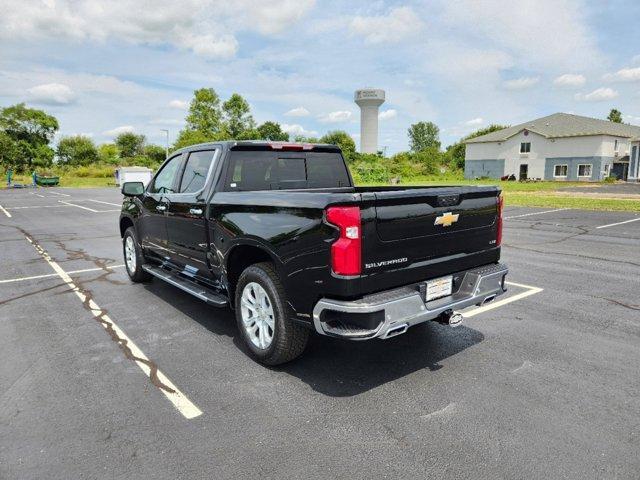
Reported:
(615, 145)
(560, 170)
(607, 169)
(525, 147)
(584, 170)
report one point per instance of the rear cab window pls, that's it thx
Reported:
(276, 170)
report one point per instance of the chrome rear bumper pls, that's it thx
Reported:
(405, 305)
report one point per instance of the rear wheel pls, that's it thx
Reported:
(133, 257)
(262, 315)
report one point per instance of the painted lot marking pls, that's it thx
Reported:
(619, 223)
(86, 208)
(34, 277)
(5, 211)
(37, 206)
(106, 203)
(187, 408)
(61, 194)
(537, 213)
(37, 194)
(497, 304)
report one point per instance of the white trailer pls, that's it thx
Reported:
(133, 174)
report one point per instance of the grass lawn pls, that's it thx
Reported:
(72, 181)
(538, 194)
(534, 194)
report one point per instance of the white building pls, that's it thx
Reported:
(558, 147)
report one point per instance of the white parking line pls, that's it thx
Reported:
(61, 194)
(187, 408)
(106, 203)
(4, 211)
(495, 304)
(37, 206)
(87, 208)
(537, 213)
(619, 223)
(37, 194)
(34, 277)
(79, 206)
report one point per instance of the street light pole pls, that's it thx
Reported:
(166, 148)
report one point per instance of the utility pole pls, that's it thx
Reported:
(166, 147)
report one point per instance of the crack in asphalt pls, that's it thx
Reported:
(99, 313)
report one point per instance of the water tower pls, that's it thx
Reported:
(369, 101)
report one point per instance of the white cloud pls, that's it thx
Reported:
(521, 83)
(179, 104)
(206, 27)
(167, 122)
(598, 95)
(474, 121)
(399, 23)
(624, 75)
(297, 112)
(295, 129)
(336, 117)
(570, 80)
(388, 114)
(52, 94)
(562, 38)
(118, 130)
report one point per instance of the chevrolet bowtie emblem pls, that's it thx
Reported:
(446, 219)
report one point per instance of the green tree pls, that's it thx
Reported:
(77, 150)
(108, 153)
(28, 124)
(455, 153)
(423, 135)
(155, 153)
(130, 145)
(615, 116)
(205, 115)
(343, 140)
(192, 137)
(27, 133)
(237, 116)
(303, 139)
(272, 131)
(8, 151)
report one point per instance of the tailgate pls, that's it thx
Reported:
(427, 232)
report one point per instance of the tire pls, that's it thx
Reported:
(133, 265)
(288, 339)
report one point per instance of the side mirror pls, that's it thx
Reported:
(132, 189)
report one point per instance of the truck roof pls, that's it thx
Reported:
(263, 145)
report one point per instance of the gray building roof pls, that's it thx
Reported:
(561, 125)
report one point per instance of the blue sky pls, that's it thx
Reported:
(107, 67)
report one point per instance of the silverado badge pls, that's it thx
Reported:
(446, 219)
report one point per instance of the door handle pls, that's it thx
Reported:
(161, 208)
(195, 211)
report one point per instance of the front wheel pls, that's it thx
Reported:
(133, 258)
(262, 316)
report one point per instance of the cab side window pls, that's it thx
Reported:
(196, 170)
(165, 179)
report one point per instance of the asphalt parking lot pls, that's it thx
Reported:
(543, 383)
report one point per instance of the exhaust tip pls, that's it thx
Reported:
(456, 320)
(396, 330)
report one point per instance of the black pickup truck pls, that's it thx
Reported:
(279, 233)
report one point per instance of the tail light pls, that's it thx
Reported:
(346, 250)
(500, 204)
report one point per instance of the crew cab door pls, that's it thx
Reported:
(152, 228)
(186, 226)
